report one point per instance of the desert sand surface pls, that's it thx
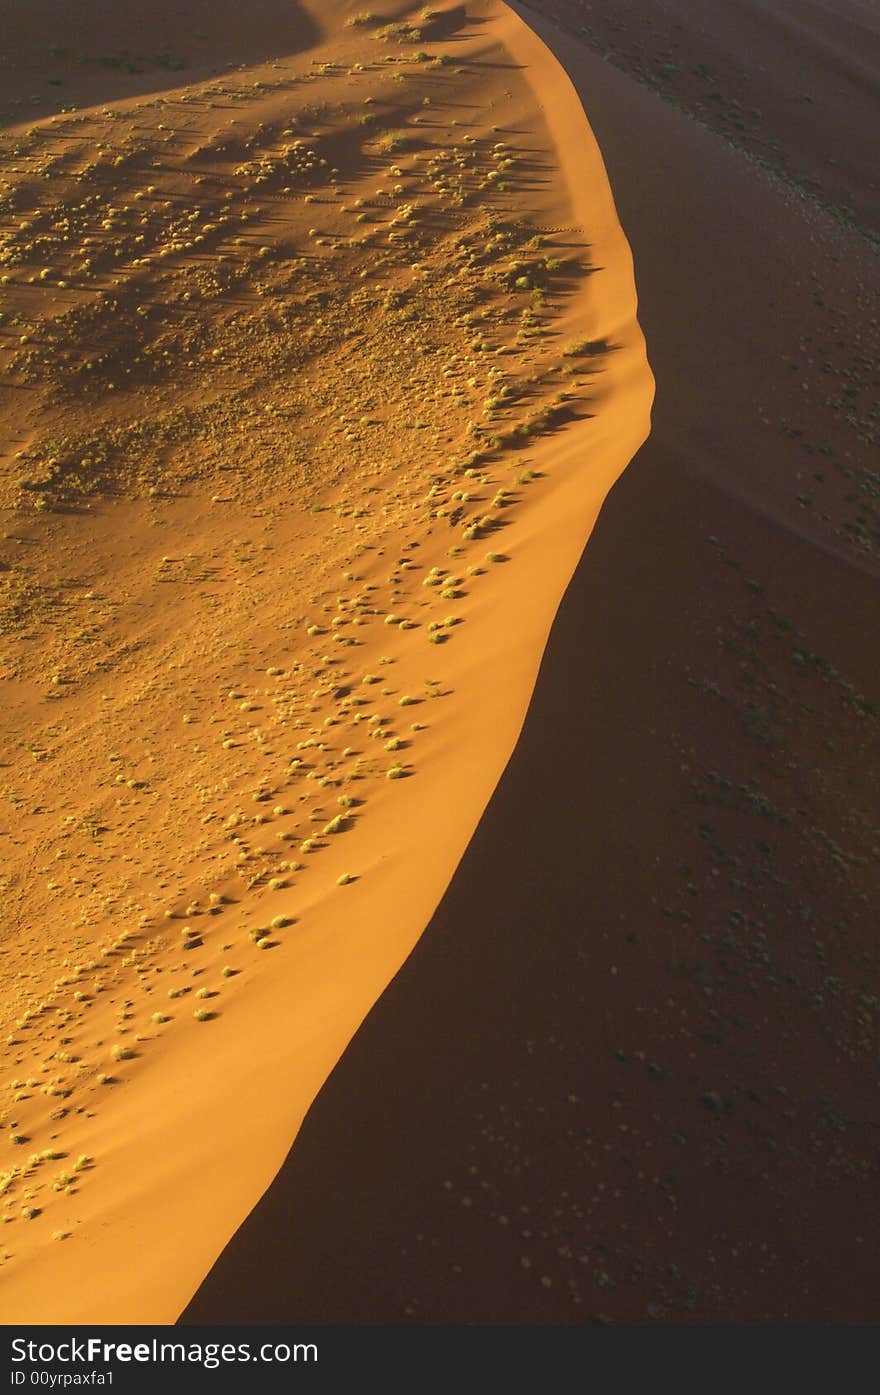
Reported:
(791, 83)
(320, 354)
(629, 1074)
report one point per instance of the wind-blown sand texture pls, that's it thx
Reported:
(320, 355)
(629, 1073)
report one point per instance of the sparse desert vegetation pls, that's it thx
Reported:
(293, 330)
(633, 1062)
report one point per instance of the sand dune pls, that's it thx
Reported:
(628, 1073)
(791, 82)
(317, 370)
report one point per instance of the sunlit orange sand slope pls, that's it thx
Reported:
(316, 373)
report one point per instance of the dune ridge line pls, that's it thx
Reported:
(197, 1105)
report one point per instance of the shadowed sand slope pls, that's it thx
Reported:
(629, 1072)
(317, 371)
(791, 82)
(59, 57)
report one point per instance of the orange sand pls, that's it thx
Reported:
(214, 576)
(628, 1073)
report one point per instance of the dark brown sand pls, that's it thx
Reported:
(793, 82)
(629, 1073)
(56, 55)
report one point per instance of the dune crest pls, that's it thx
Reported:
(317, 374)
